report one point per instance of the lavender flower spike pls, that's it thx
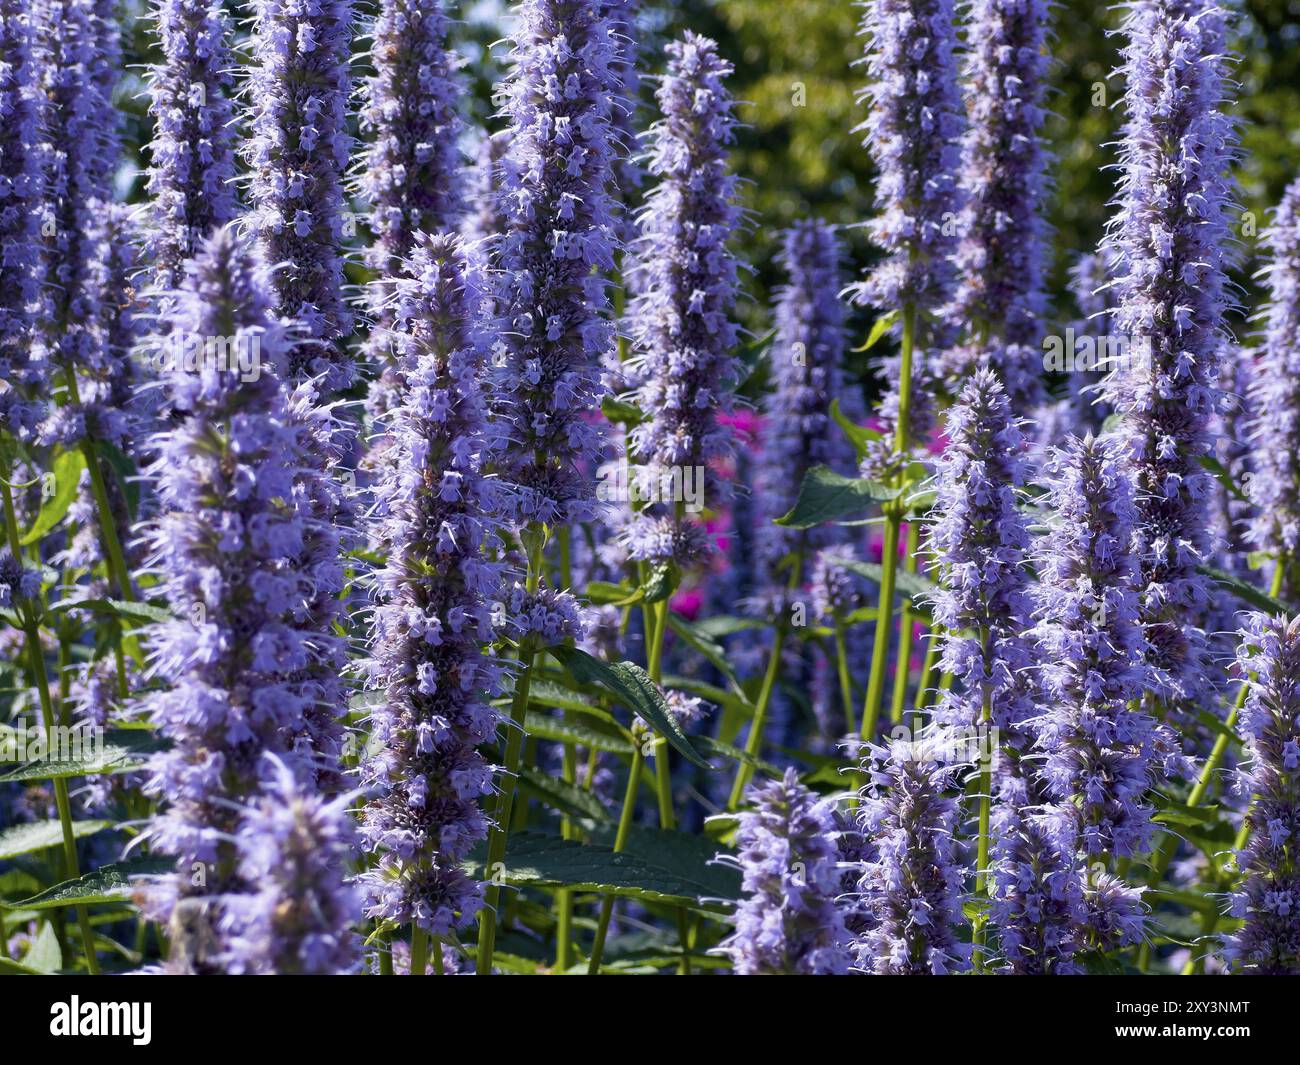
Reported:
(912, 132)
(434, 612)
(1275, 397)
(910, 893)
(788, 922)
(685, 279)
(298, 152)
(560, 240)
(1101, 754)
(980, 540)
(294, 847)
(1268, 900)
(234, 545)
(1169, 244)
(21, 191)
(191, 176)
(806, 354)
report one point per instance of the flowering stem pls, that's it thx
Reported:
(36, 659)
(620, 841)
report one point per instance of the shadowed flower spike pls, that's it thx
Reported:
(910, 892)
(22, 155)
(192, 170)
(297, 155)
(980, 539)
(789, 922)
(1268, 899)
(294, 848)
(1102, 753)
(625, 117)
(410, 174)
(235, 545)
(685, 278)
(1169, 245)
(1002, 249)
(797, 432)
(434, 613)
(558, 245)
(1275, 394)
(913, 132)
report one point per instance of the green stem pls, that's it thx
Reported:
(620, 841)
(903, 666)
(36, 661)
(982, 850)
(842, 668)
(754, 742)
(419, 951)
(884, 623)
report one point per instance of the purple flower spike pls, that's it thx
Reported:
(22, 156)
(913, 133)
(560, 240)
(1275, 394)
(434, 613)
(788, 922)
(685, 279)
(1268, 899)
(1168, 246)
(910, 893)
(980, 540)
(239, 553)
(806, 354)
(294, 848)
(1102, 755)
(298, 152)
(192, 171)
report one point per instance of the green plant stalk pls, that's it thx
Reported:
(419, 950)
(36, 661)
(754, 742)
(569, 770)
(842, 668)
(620, 841)
(903, 669)
(980, 924)
(1210, 921)
(1164, 852)
(927, 674)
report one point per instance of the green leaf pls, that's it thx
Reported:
(23, 839)
(912, 585)
(563, 796)
(119, 751)
(1247, 593)
(108, 883)
(662, 582)
(13, 968)
(621, 412)
(548, 861)
(617, 594)
(1225, 476)
(690, 857)
(66, 473)
(828, 496)
(1188, 815)
(859, 435)
(711, 650)
(726, 750)
(882, 325)
(124, 470)
(720, 625)
(634, 689)
(118, 608)
(558, 731)
(44, 955)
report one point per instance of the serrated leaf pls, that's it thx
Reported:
(605, 592)
(879, 328)
(1247, 593)
(690, 857)
(108, 883)
(118, 608)
(714, 652)
(559, 731)
(1187, 815)
(828, 496)
(561, 795)
(119, 751)
(24, 839)
(620, 412)
(44, 955)
(726, 750)
(66, 471)
(663, 580)
(859, 436)
(912, 585)
(634, 689)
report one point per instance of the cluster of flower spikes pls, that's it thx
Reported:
(410, 172)
(238, 549)
(797, 432)
(558, 244)
(685, 280)
(192, 154)
(22, 371)
(1267, 900)
(1168, 248)
(788, 922)
(297, 154)
(435, 607)
(294, 846)
(1002, 247)
(1102, 753)
(980, 539)
(1275, 396)
(909, 892)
